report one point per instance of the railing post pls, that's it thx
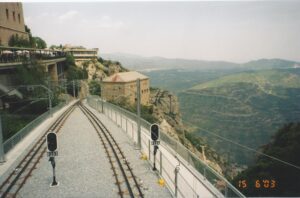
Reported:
(160, 163)
(176, 180)
(149, 150)
(226, 190)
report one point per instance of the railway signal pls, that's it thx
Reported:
(52, 152)
(154, 130)
(51, 142)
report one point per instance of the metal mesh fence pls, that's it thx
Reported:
(185, 174)
(16, 138)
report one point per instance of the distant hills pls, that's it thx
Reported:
(136, 62)
(247, 108)
(245, 103)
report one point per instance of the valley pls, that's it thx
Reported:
(235, 109)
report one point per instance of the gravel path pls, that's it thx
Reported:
(82, 168)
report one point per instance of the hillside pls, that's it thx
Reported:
(171, 123)
(247, 108)
(270, 178)
(177, 80)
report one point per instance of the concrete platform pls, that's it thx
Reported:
(83, 169)
(14, 156)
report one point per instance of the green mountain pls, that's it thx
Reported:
(246, 108)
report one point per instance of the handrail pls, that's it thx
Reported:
(170, 144)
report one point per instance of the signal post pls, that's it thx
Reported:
(51, 139)
(154, 130)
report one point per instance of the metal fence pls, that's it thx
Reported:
(16, 138)
(19, 54)
(184, 173)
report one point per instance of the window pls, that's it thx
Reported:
(7, 14)
(14, 15)
(19, 17)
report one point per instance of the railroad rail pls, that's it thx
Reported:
(17, 178)
(129, 186)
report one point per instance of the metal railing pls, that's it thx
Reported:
(18, 54)
(184, 173)
(16, 138)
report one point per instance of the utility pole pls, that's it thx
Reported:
(77, 84)
(65, 87)
(138, 86)
(2, 157)
(49, 98)
(73, 88)
(50, 103)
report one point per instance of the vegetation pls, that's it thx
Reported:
(246, 108)
(74, 72)
(146, 111)
(34, 99)
(32, 42)
(108, 63)
(285, 145)
(30, 73)
(95, 88)
(56, 46)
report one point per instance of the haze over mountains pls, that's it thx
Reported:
(136, 62)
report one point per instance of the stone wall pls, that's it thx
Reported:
(11, 22)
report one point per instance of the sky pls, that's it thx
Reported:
(229, 31)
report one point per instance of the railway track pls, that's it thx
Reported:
(126, 181)
(18, 177)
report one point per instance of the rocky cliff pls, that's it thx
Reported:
(99, 69)
(166, 111)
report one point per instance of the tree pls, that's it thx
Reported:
(31, 73)
(17, 41)
(285, 146)
(74, 72)
(95, 88)
(40, 43)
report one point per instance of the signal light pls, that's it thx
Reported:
(51, 142)
(154, 129)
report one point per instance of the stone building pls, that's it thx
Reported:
(124, 85)
(81, 54)
(11, 22)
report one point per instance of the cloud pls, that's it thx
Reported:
(68, 15)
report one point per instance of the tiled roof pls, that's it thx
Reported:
(125, 77)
